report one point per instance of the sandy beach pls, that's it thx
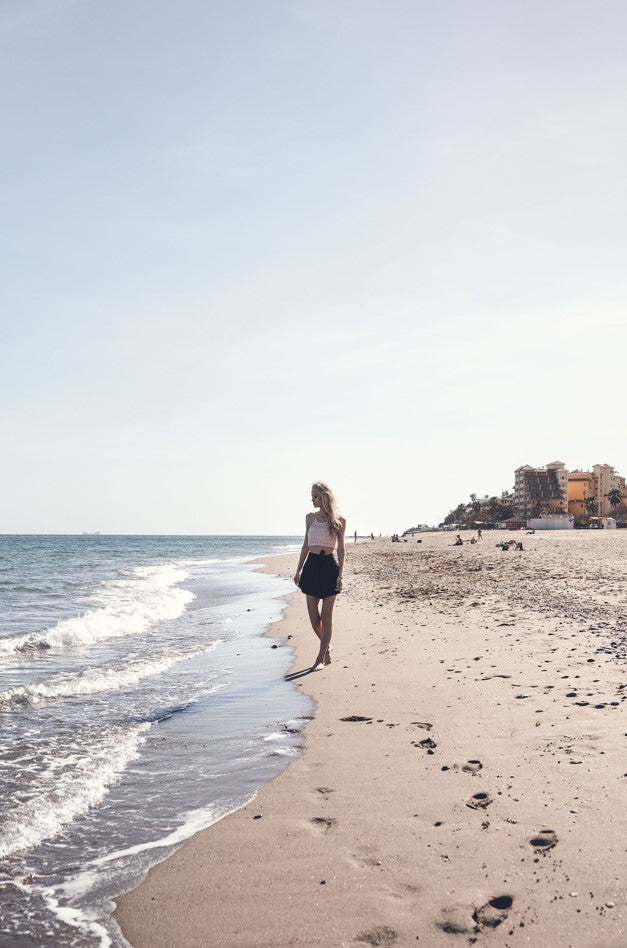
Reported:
(463, 780)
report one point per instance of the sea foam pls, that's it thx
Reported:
(124, 607)
(95, 681)
(76, 779)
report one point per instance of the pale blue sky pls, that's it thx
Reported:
(250, 244)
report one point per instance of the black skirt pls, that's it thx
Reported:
(319, 575)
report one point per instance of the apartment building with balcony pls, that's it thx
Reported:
(596, 484)
(608, 480)
(581, 487)
(541, 491)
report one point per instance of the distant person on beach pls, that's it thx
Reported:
(319, 573)
(479, 534)
(458, 541)
(355, 535)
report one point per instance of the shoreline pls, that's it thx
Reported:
(453, 811)
(239, 592)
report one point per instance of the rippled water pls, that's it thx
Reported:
(138, 703)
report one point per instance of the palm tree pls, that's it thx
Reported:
(456, 516)
(615, 498)
(460, 513)
(592, 506)
(493, 508)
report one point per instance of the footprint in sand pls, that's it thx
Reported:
(458, 920)
(545, 840)
(324, 823)
(472, 766)
(422, 724)
(479, 801)
(383, 935)
(467, 920)
(324, 791)
(494, 912)
(428, 744)
(355, 717)
(364, 860)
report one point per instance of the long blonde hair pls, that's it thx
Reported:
(329, 505)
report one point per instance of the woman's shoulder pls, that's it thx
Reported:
(342, 521)
(309, 517)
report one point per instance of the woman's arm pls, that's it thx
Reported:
(303, 551)
(340, 552)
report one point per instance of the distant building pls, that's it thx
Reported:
(597, 484)
(606, 480)
(513, 523)
(581, 487)
(541, 491)
(506, 499)
(559, 522)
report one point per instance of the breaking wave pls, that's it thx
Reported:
(124, 607)
(94, 681)
(77, 777)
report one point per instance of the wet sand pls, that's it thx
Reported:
(464, 779)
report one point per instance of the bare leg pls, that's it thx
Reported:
(315, 618)
(314, 614)
(326, 616)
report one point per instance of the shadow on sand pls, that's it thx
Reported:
(298, 674)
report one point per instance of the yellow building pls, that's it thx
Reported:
(606, 480)
(596, 483)
(581, 486)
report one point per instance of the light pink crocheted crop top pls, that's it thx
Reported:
(319, 534)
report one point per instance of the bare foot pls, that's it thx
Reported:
(317, 667)
(328, 656)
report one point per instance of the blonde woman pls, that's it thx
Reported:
(319, 573)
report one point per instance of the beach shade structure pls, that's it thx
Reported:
(515, 523)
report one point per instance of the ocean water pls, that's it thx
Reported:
(139, 703)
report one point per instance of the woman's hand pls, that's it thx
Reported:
(297, 578)
(338, 585)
